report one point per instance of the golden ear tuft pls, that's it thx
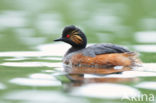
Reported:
(76, 39)
(74, 32)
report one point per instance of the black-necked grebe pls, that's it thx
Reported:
(98, 55)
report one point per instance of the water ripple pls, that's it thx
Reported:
(106, 90)
(35, 82)
(147, 85)
(2, 86)
(31, 64)
(42, 96)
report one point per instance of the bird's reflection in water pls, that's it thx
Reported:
(77, 76)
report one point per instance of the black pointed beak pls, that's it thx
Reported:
(60, 39)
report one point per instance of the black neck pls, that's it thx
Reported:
(72, 49)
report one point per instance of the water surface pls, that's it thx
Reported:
(31, 69)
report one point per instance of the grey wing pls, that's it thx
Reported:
(98, 49)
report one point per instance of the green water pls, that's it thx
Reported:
(30, 62)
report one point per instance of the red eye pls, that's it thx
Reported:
(67, 35)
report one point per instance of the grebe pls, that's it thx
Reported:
(98, 55)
